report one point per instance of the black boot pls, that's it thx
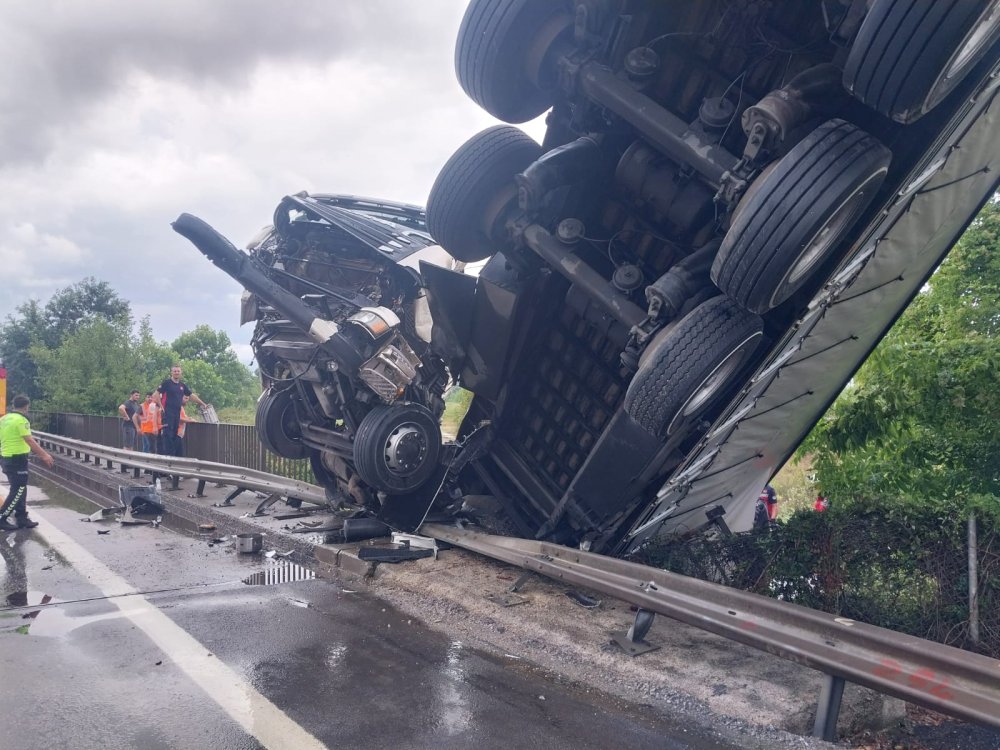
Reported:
(23, 522)
(6, 525)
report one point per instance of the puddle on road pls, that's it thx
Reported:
(48, 621)
(274, 574)
(280, 573)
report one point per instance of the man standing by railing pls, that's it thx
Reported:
(128, 411)
(174, 390)
(16, 443)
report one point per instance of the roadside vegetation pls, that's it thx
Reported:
(82, 351)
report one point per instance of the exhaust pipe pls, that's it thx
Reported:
(253, 276)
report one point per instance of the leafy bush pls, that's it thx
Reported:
(898, 563)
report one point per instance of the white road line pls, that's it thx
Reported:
(248, 708)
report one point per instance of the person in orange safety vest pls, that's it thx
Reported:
(150, 423)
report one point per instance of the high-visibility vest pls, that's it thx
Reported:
(184, 420)
(151, 421)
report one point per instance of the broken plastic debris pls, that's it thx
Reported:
(587, 602)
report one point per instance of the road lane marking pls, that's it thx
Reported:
(260, 718)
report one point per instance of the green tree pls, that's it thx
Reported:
(90, 370)
(33, 325)
(212, 368)
(922, 416)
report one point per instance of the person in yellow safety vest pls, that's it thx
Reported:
(150, 423)
(16, 443)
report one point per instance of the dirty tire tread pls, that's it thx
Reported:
(902, 48)
(771, 229)
(678, 364)
(488, 29)
(481, 166)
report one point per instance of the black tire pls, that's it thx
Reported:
(500, 55)
(469, 196)
(794, 216)
(688, 366)
(909, 54)
(396, 448)
(277, 426)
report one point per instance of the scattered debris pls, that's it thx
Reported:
(101, 514)
(392, 554)
(290, 516)
(587, 602)
(416, 541)
(507, 599)
(206, 527)
(104, 531)
(358, 529)
(156, 664)
(141, 498)
(273, 553)
(249, 543)
(336, 526)
(47, 567)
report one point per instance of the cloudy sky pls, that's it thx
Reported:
(116, 116)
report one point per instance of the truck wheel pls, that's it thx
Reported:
(909, 54)
(396, 447)
(471, 195)
(794, 216)
(277, 426)
(502, 56)
(689, 365)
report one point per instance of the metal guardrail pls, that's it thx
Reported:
(943, 678)
(939, 677)
(231, 444)
(237, 476)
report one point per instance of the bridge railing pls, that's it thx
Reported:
(233, 444)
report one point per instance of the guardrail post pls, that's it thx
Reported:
(973, 582)
(828, 708)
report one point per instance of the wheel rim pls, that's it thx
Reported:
(537, 58)
(982, 31)
(819, 245)
(405, 449)
(714, 381)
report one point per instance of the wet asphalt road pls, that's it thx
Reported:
(200, 659)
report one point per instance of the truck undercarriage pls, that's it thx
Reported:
(708, 171)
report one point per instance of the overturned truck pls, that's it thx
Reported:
(712, 175)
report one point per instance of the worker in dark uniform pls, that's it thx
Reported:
(173, 390)
(16, 443)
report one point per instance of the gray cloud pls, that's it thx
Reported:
(63, 59)
(117, 116)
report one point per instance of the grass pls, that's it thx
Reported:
(456, 404)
